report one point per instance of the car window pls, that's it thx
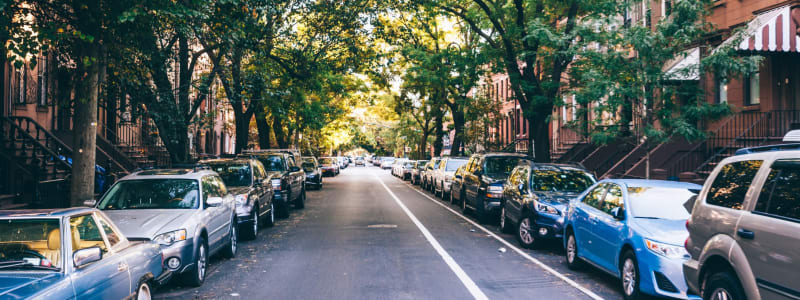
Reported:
(613, 199)
(731, 184)
(221, 186)
(259, 168)
(210, 188)
(85, 233)
(561, 181)
(273, 163)
(452, 165)
(780, 195)
(234, 174)
(595, 197)
(111, 235)
(659, 202)
(30, 239)
(500, 166)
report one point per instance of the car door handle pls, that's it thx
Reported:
(122, 267)
(745, 234)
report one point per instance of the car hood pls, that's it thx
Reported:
(556, 198)
(20, 285)
(147, 223)
(663, 230)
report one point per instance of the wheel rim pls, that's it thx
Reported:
(233, 236)
(503, 218)
(525, 231)
(721, 294)
(144, 292)
(201, 262)
(628, 276)
(571, 249)
(255, 222)
(463, 202)
(271, 212)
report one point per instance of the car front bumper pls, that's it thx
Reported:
(183, 250)
(549, 226)
(671, 273)
(281, 198)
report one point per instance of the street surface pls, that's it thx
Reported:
(369, 235)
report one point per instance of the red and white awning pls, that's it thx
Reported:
(773, 31)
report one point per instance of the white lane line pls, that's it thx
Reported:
(465, 279)
(509, 245)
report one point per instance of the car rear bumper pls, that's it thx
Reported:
(691, 273)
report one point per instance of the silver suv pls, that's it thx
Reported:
(189, 212)
(745, 225)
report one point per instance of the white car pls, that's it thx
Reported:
(443, 175)
(386, 162)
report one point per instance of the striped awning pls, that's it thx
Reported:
(772, 31)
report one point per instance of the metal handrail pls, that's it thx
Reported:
(56, 156)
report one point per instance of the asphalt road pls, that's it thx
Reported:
(368, 235)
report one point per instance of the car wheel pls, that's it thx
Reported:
(300, 202)
(629, 271)
(480, 212)
(251, 232)
(526, 235)
(505, 224)
(464, 208)
(143, 292)
(197, 275)
(723, 286)
(271, 218)
(571, 253)
(452, 199)
(233, 241)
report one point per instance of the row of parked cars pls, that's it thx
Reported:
(151, 226)
(733, 238)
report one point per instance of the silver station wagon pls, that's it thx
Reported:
(189, 212)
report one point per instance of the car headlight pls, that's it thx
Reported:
(240, 199)
(169, 238)
(544, 208)
(276, 184)
(667, 250)
(495, 189)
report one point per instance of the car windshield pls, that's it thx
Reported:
(152, 194)
(565, 181)
(453, 164)
(659, 202)
(408, 164)
(234, 174)
(308, 165)
(500, 167)
(272, 163)
(30, 244)
(326, 161)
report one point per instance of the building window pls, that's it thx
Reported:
(752, 93)
(722, 91)
(42, 81)
(666, 7)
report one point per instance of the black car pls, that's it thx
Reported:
(288, 179)
(250, 185)
(313, 172)
(480, 187)
(536, 197)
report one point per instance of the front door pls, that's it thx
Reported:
(216, 221)
(607, 231)
(585, 219)
(768, 235)
(107, 278)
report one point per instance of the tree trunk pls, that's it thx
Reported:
(3, 40)
(423, 145)
(439, 132)
(541, 139)
(85, 131)
(458, 127)
(242, 121)
(280, 135)
(263, 128)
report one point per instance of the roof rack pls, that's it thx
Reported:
(194, 166)
(770, 148)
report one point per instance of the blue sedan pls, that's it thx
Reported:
(634, 230)
(74, 253)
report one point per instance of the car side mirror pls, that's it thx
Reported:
(214, 201)
(689, 204)
(86, 256)
(618, 213)
(294, 169)
(89, 203)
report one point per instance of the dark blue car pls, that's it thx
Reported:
(634, 230)
(74, 253)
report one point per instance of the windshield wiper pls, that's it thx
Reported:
(24, 264)
(651, 218)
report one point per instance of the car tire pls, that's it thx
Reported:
(574, 262)
(197, 275)
(452, 199)
(233, 241)
(721, 284)
(144, 290)
(505, 223)
(251, 232)
(270, 221)
(526, 236)
(464, 208)
(480, 212)
(629, 276)
(300, 202)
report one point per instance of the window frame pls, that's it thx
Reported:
(744, 201)
(604, 187)
(747, 84)
(771, 184)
